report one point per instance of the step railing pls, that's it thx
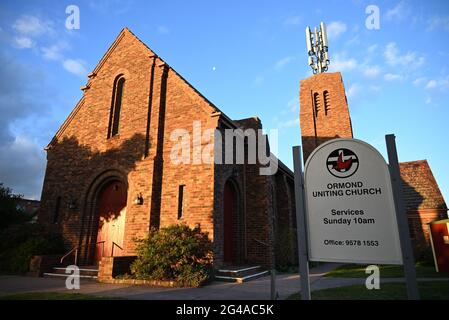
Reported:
(77, 249)
(115, 245)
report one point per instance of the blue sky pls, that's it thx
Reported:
(247, 57)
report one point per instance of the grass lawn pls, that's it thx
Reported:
(435, 290)
(55, 296)
(386, 271)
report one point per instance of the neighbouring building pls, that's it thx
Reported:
(110, 175)
(28, 206)
(324, 115)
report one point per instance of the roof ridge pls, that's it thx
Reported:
(177, 73)
(413, 161)
(67, 121)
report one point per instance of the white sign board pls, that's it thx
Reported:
(350, 214)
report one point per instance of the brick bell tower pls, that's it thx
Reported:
(324, 112)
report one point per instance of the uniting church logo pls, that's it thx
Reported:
(342, 163)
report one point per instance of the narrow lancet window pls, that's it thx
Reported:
(116, 106)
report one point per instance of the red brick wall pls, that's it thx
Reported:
(320, 127)
(81, 157)
(423, 200)
(285, 227)
(419, 230)
(156, 101)
(256, 206)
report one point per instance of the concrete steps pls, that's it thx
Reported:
(86, 272)
(240, 274)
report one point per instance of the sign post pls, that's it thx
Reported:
(301, 225)
(349, 208)
(406, 245)
(350, 214)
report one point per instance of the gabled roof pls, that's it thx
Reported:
(111, 49)
(420, 189)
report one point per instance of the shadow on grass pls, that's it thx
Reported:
(386, 271)
(435, 290)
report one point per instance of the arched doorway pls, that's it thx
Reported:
(232, 225)
(111, 206)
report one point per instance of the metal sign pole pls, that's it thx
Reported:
(301, 224)
(404, 234)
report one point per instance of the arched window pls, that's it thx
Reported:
(326, 102)
(116, 106)
(57, 208)
(316, 103)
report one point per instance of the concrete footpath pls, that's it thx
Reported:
(259, 289)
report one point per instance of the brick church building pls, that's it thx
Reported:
(110, 178)
(324, 115)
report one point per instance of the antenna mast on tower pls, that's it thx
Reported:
(317, 47)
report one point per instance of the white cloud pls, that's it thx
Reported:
(437, 84)
(394, 57)
(23, 42)
(293, 104)
(353, 90)
(32, 26)
(392, 77)
(292, 21)
(163, 30)
(259, 80)
(371, 71)
(438, 22)
(75, 66)
(335, 28)
(339, 63)
(115, 7)
(283, 62)
(372, 48)
(54, 52)
(398, 12)
(289, 123)
(431, 84)
(22, 166)
(375, 88)
(419, 81)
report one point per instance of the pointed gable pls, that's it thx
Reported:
(126, 47)
(420, 188)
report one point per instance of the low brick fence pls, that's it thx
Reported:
(43, 263)
(111, 267)
(152, 283)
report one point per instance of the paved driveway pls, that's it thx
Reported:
(259, 289)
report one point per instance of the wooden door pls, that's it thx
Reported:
(112, 216)
(228, 207)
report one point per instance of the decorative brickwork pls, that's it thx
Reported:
(82, 159)
(324, 113)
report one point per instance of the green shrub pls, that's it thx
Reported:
(175, 253)
(20, 237)
(20, 242)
